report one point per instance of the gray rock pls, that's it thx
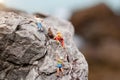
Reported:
(28, 54)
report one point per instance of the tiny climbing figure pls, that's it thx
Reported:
(59, 66)
(60, 39)
(50, 33)
(38, 22)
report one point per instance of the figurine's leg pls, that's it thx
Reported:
(58, 71)
(62, 70)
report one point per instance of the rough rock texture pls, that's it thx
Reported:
(28, 54)
(100, 28)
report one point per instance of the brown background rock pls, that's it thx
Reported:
(100, 28)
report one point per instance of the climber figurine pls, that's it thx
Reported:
(59, 65)
(59, 38)
(39, 21)
(50, 33)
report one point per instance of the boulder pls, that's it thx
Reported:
(29, 54)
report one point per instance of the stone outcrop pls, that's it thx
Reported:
(99, 27)
(29, 54)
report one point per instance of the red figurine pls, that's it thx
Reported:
(60, 39)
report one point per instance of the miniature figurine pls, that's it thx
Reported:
(59, 65)
(39, 21)
(60, 39)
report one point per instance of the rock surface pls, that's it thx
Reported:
(28, 54)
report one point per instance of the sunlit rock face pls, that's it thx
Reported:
(29, 54)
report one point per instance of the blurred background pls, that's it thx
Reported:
(97, 29)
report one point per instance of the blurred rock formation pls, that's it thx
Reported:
(7, 9)
(100, 28)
